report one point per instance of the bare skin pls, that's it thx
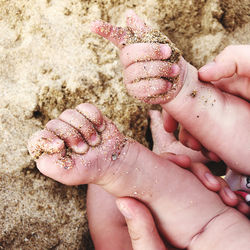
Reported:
(199, 107)
(101, 205)
(126, 168)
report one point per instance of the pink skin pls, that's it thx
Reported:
(101, 205)
(199, 107)
(230, 73)
(170, 124)
(126, 168)
(141, 226)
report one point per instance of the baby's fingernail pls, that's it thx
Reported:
(101, 127)
(230, 193)
(207, 67)
(58, 143)
(94, 140)
(165, 51)
(211, 179)
(122, 206)
(80, 148)
(175, 70)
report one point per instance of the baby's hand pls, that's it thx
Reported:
(152, 64)
(153, 68)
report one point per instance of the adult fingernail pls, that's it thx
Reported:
(165, 51)
(207, 67)
(122, 206)
(230, 193)
(170, 153)
(211, 179)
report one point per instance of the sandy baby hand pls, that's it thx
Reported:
(71, 147)
(153, 66)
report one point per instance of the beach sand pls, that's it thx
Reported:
(49, 61)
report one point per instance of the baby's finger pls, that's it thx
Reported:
(202, 172)
(141, 52)
(146, 89)
(188, 140)
(44, 141)
(93, 114)
(141, 225)
(233, 59)
(82, 124)
(154, 69)
(135, 22)
(169, 123)
(114, 34)
(69, 134)
(64, 168)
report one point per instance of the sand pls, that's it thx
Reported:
(49, 61)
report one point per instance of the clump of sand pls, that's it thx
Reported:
(50, 61)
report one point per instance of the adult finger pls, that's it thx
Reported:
(161, 139)
(233, 59)
(210, 155)
(183, 161)
(243, 208)
(188, 140)
(141, 225)
(213, 183)
(169, 123)
(236, 85)
(167, 146)
(226, 194)
(114, 34)
(202, 172)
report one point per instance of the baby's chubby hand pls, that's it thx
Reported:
(152, 64)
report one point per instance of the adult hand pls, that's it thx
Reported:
(166, 145)
(230, 71)
(141, 225)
